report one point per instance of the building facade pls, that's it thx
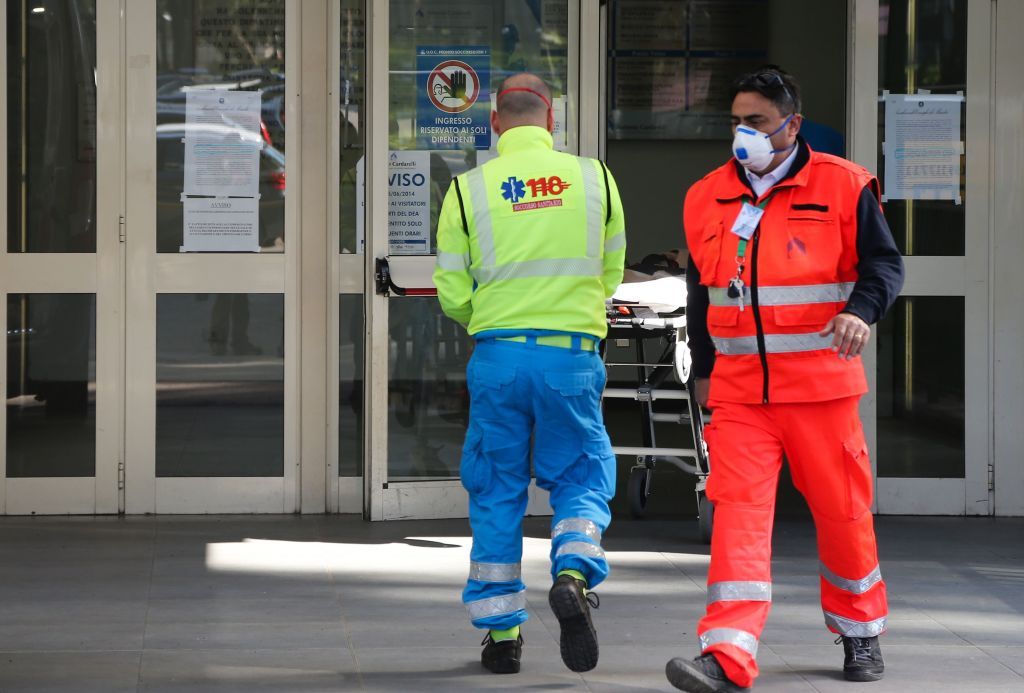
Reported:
(199, 196)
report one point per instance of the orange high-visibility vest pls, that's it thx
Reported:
(800, 268)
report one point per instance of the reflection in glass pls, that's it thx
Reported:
(351, 136)
(220, 385)
(520, 35)
(428, 403)
(921, 388)
(226, 45)
(51, 126)
(350, 387)
(51, 385)
(922, 46)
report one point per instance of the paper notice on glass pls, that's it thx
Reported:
(222, 142)
(221, 224)
(409, 203)
(922, 147)
(558, 134)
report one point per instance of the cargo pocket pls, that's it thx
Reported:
(859, 485)
(710, 252)
(596, 469)
(812, 316)
(489, 384)
(723, 316)
(474, 470)
(571, 384)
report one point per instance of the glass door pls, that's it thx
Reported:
(443, 62)
(61, 257)
(211, 283)
(932, 360)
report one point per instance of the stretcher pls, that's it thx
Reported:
(648, 318)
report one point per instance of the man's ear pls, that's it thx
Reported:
(551, 120)
(795, 123)
(495, 123)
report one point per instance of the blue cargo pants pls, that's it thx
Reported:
(519, 389)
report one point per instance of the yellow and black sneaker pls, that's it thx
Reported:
(571, 603)
(502, 656)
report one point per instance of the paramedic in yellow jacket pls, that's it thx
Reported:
(529, 246)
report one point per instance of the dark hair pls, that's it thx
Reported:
(774, 84)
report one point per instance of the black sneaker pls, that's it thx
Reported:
(503, 656)
(701, 675)
(863, 659)
(571, 603)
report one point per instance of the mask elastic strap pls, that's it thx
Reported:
(784, 124)
(778, 130)
(531, 91)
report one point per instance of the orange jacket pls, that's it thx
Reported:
(800, 268)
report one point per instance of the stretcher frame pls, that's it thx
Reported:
(641, 325)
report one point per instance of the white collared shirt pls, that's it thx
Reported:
(760, 184)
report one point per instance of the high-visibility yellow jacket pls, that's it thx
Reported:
(531, 240)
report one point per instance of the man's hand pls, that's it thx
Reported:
(851, 334)
(701, 388)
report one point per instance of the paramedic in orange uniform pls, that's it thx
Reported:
(791, 262)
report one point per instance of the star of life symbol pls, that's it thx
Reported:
(513, 189)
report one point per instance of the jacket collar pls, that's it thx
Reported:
(737, 185)
(524, 137)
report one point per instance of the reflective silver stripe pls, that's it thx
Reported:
(595, 207)
(579, 526)
(494, 572)
(481, 217)
(854, 586)
(496, 606)
(739, 590)
(616, 242)
(730, 636)
(773, 343)
(452, 261)
(855, 629)
(554, 267)
(786, 295)
(580, 548)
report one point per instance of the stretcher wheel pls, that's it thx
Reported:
(638, 490)
(705, 517)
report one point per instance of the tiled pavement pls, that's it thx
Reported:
(286, 603)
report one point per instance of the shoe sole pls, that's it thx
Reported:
(684, 677)
(863, 676)
(503, 668)
(578, 643)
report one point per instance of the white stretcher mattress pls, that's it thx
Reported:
(664, 295)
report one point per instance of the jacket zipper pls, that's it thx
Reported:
(755, 306)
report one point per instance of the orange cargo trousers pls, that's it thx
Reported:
(828, 459)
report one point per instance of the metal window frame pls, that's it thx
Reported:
(968, 275)
(95, 273)
(439, 498)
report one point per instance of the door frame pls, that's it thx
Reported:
(95, 273)
(442, 498)
(149, 273)
(967, 276)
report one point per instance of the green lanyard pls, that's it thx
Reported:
(736, 286)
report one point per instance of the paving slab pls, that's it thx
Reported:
(285, 603)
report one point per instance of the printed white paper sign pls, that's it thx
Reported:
(220, 224)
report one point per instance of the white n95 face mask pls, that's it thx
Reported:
(753, 149)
